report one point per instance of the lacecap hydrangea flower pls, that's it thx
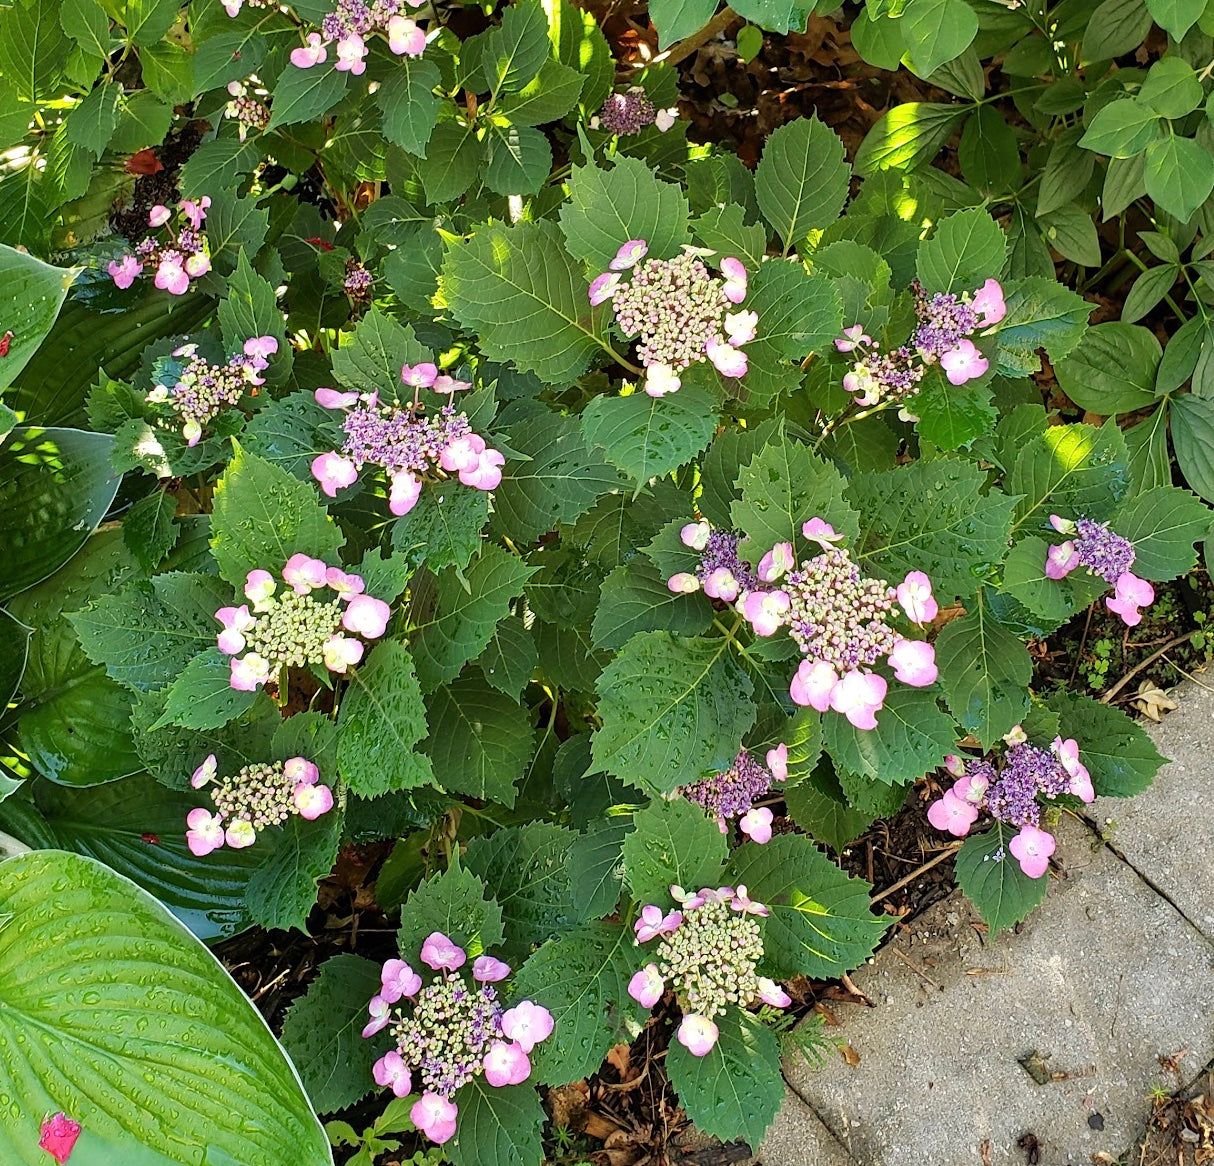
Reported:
(946, 323)
(678, 311)
(630, 112)
(348, 28)
(710, 947)
(732, 794)
(183, 256)
(257, 796)
(1013, 793)
(409, 444)
(320, 618)
(840, 619)
(196, 391)
(1106, 554)
(449, 1029)
(247, 107)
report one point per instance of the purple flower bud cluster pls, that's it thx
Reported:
(627, 113)
(1106, 554)
(709, 952)
(732, 793)
(255, 797)
(196, 390)
(248, 111)
(1102, 551)
(1013, 792)
(181, 257)
(350, 24)
(358, 281)
(946, 321)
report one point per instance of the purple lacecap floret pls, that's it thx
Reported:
(1103, 551)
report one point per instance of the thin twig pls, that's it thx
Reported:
(1108, 696)
(951, 848)
(918, 972)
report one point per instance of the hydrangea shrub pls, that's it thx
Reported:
(456, 455)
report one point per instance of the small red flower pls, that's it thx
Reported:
(5, 341)
(145, 162)
(59, 1134)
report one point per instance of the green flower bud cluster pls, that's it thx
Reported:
(292, 629)
(710, 959)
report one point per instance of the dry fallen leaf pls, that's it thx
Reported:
(850, 1055)
(1152, 701)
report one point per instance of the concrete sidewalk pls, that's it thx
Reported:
(1055, 1036)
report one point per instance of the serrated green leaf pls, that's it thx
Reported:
(282, 890)
(409, 104)
(1054, 600)
(1112, 369)
(302, 95)
(912, 737)
(1163, 524)
(672, 843)
(497, 1127)
(1072, 470)
(966, 249)
(150, 528)
(635, 598)
(518, 160)
(202, 696)
(802, 179)
(456, 903)
(444, 528)
(908, 136)
(516, 49)
(550, 95)
(33, 48)
(510, 657)
(993, 880)
(951, 416)
(1121, 758)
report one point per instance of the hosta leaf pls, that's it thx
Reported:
(382, 719)
(33, 293)
(737, 1087)
(802, 179)
(149, 996)
(672, 843)
(582, 978)
(607, 208)
(525, 297)
(993, 880)
(322, 1032)
(985, 672)
(1121, 758)
(911, 737)
(649, 436)
(821, 924)
(671, 710)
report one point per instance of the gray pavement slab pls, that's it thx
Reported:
(798, 1137)
(1167, 832)
(1104, 979)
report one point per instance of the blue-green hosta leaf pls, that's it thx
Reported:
(784, 486)
(821, 924)
(262, 516)
(524, 296)
(322, 1032)
(647, 437)
(737, 1087)
(582, 979)
(149, 1044)
(931, 516)
(480, 740)
(607, 208)
(993, 880)
(672, 843)
(1072, 470)
(55, 487)
(33, 293)
(1121, 758)
(1163, 524)
(802, 179)
(671, 711)
(912, 736)
(382, 720)
(985, 672)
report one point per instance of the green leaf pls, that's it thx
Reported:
(1112, 370)
(444, 528)
(480, 740)
(1171, 88)
(993, 880)
(989, 153)
(937, 31)
(635, 598)
(1067, 172)
(1193, 440)
(518, 289)
(202, 696)
(302, 95)
(1121, 129)
(1147, 292)
(647, 437)
(453, 157)
(676, 19)
(370, 358)
(802, 179)
(552, 94)
(1072, 233)
(673, 843)
(965, 249)
(820, 807)
(382, 719)
(582, 978)
(33, 293)
(912, 736)
(455, 902)
(150, 529)
(1053, 600)
(1119, 755)
(821, 924)
(55, 488)
(527, 867)
(510, 657)
(1163, 524)
(409, 103)
(1176, 16)
(251, 309)
(262, 516)
(671, 710)
(515, 51)
(1073, 470)
(579, 44)
(985, 672)
(737, 1088)
(1179, 175)
(784, 486)
(724, 229)
(86, 23)
(1040, 314)
(322, 1032)
(283, 889)
(468, 609)
(607, 208)
(497, 1127)
(951, 416)
(1116, 27)
(596, 868)
(908, 136)
(113, 824)
(106, 1029)
(226, 56)
(33, 49)
(518, 160)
